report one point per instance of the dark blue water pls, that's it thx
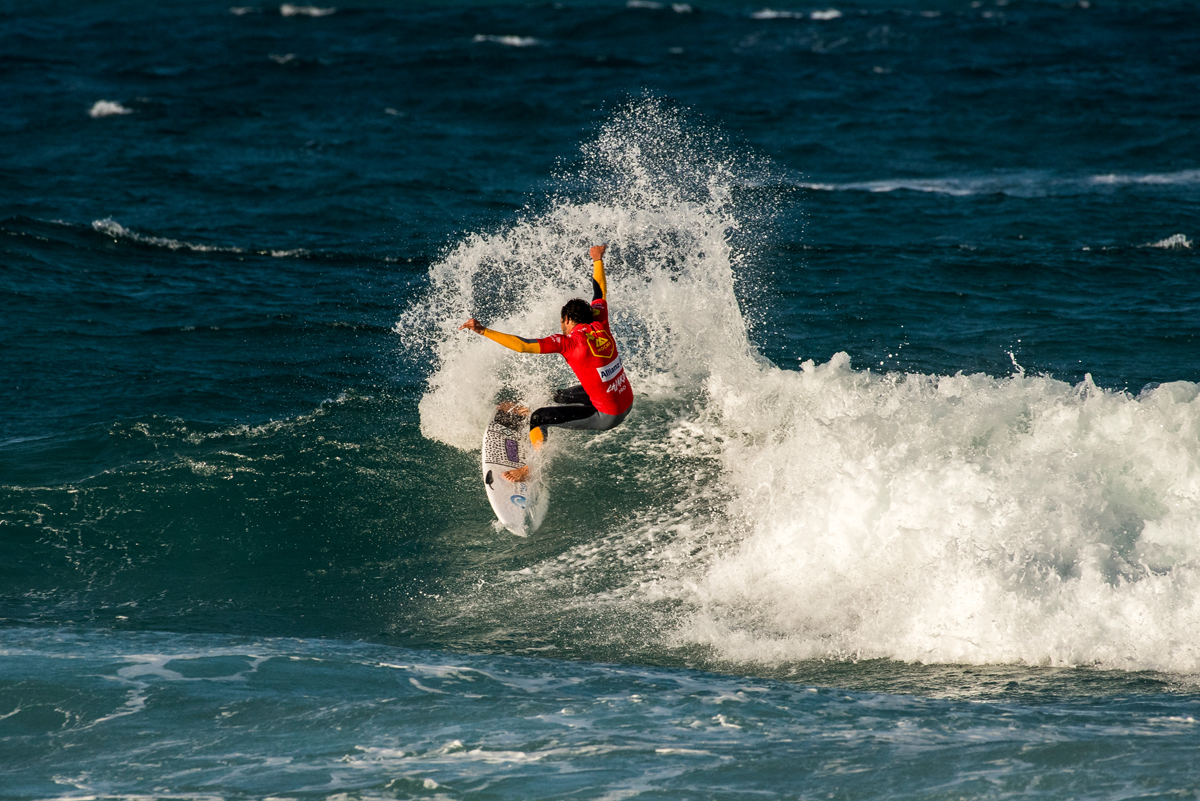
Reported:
(908, 505)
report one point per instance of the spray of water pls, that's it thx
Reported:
(668, 220)
(839, 513)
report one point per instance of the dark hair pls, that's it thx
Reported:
(577, 310)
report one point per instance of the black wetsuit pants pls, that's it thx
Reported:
(578, 414)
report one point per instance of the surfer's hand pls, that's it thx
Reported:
(597, 252)
(473, 324)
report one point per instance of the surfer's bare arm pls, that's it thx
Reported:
(599, 288)
(519, 344)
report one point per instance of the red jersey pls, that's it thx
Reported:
(591, 352)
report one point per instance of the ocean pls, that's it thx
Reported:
(908, 505)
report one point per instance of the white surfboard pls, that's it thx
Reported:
(506, 447)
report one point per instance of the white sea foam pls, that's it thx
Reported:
(824, 511)
(1017, 184)
(107, 108)
(1181, 177)
(1174, 242)
(289, 10)
(114, 229)
(942, 186)
(146, 670)
(955, 519)
(770, 13)
(508, 41)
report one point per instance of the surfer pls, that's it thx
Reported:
(603, 397)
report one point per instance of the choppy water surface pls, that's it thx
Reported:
(909, 503)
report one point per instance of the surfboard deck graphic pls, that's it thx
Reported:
(506, 447)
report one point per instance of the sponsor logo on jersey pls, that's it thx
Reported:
(609, 371)
(600, 343)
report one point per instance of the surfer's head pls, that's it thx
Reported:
(575, 312)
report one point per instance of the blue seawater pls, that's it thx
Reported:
(909, 503)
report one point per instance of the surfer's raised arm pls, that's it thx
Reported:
(599, 288)
(519, 344)
(523, 345)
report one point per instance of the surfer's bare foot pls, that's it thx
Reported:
(518, 475)
(513, 408)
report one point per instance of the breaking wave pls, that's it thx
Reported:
(820, 512)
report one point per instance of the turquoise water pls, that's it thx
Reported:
(908, 504)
